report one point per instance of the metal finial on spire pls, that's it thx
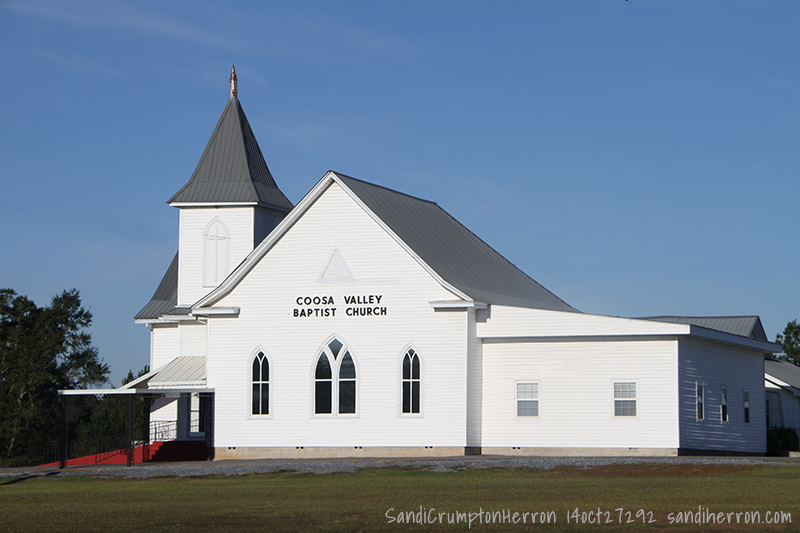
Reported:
(233, 81)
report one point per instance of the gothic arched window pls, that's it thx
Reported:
(335, 380)
(411, 379)
(216, 247)
(260, 382)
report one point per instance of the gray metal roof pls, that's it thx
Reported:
(181, 371)
(166, 296)
(784, 371)
(744, 326)
(232, 168)
(452, 251)
(165, 299)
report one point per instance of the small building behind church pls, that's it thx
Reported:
(363, 321)
(782, 383)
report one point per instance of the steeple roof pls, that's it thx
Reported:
(232, 169)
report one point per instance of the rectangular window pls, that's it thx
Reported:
(624, 398)
(196, 422)
(746, 403)
(527, 399)
(700, 400)
(723, 404)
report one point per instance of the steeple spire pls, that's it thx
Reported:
(232, 169)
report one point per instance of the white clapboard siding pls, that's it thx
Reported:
(715, 365)
(507, 322)
(783, 405)
(774, 406)
(474, 384)
(164, 410)
(240, 224)
(193, 339)
(576, 404)
(790, 407)
(267, 299)
(165, 344)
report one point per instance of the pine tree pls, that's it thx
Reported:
(42, 350)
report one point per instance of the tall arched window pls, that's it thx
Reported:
(323, 386)
(216, 244)
(347, 385)
(335, 381)
(411, 380)
(260, 381)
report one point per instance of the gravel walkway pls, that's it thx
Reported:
(327, 466)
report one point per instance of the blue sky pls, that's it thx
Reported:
(635, 157)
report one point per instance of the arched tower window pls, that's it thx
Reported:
(216, 247)
(411, 383)
(335, 380)
(260, 382)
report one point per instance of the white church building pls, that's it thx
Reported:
(366, 322)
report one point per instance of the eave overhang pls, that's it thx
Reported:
(216, 311)
(729, 338)
(782, 384)
(224, 204)
(458, 304)
(133, 392)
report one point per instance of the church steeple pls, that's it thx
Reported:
(229, 205)
(232, 169)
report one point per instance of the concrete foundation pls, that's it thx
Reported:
(312, 452)
(579, 452)
(318, 452)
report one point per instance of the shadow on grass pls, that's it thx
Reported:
(25, 477)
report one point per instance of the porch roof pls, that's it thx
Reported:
(182, 374)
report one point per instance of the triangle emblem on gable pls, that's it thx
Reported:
(336, 268)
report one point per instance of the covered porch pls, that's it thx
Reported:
(176, 394)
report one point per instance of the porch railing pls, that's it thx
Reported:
(162, 431)
(102, 447)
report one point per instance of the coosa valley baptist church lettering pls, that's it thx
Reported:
(369, 305)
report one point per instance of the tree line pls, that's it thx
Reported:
(42, 350)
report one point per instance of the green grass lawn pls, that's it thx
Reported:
(360, 501)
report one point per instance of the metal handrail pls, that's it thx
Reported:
(163, 430)
(102, 447)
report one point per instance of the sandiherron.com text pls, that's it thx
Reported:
(597, 516)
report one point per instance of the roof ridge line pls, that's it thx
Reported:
(251, 184)
(506, 259)
(467, 231)
(383, 187)
(699, 316)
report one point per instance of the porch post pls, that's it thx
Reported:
(147, 401)
(62, 452)
(130, 429)
(207, 414)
